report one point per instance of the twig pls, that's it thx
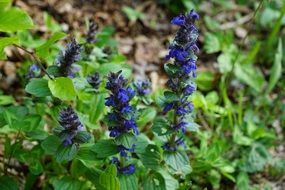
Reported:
(243, 40)
(35, 58)
(234, 24)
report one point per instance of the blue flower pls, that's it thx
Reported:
(189, 89)
(130, 169)
(194, 15)
(34, 71)
(167, 107)
(182, 51)
(179, 20)
(121, 118)
(142, 87)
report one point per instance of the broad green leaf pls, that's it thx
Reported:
(178, 161)
(160, 126)
(205, 80)
(240, 138)
(105, 148)
(5, 3)
(14, 19)
(66, 153)
(151, 158)
(97, 111)
(68, 183)
(108, 179)
(146, 116)
(170, 182)
(128, 182)
(126, 139)
(85, 153)
(8, 183)
(43, 50)
(51, 144)
(106, 68)
(212, 43)
(154, 182)
(250, 75)
(225, 62)
(256, 160)
(276, 70)
(6, 41)
(62, 88)
(38, 88)
(36, 167)
(82, 137)
(243, 181)
(6, 100)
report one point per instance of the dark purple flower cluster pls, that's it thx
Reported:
(122, 118)
(34, 71)
(143, 87)
(181, 74)
(92, 31)
(71, 125)
(67, 57)
(94, 80)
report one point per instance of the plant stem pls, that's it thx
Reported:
(35, 58)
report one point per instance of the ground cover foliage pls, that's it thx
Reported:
(76, 116)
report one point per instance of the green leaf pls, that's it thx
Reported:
(38, 88)
(146, 116)
(170, 96)
(240, 138)
(5, 3)
(243, 181)
(250, 75)
(212, 43)
(51, 144)
(97, 111)
(66, 153)
(178, 161)
(126, 139)
(8, 183)
(105, 148)
(6, 41)
(225, 62)
(151, 158)
(43, 50)
(108, 179)
(36, 167)
(106, 68)
(160, 126)
(276, 70)
(14, 19)
(82, 137)
(170, 182)
(62, 88)
(257, 159)
(128, 182)
(68, 183)
(154, 182)
(6, 100)
(205, 80)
